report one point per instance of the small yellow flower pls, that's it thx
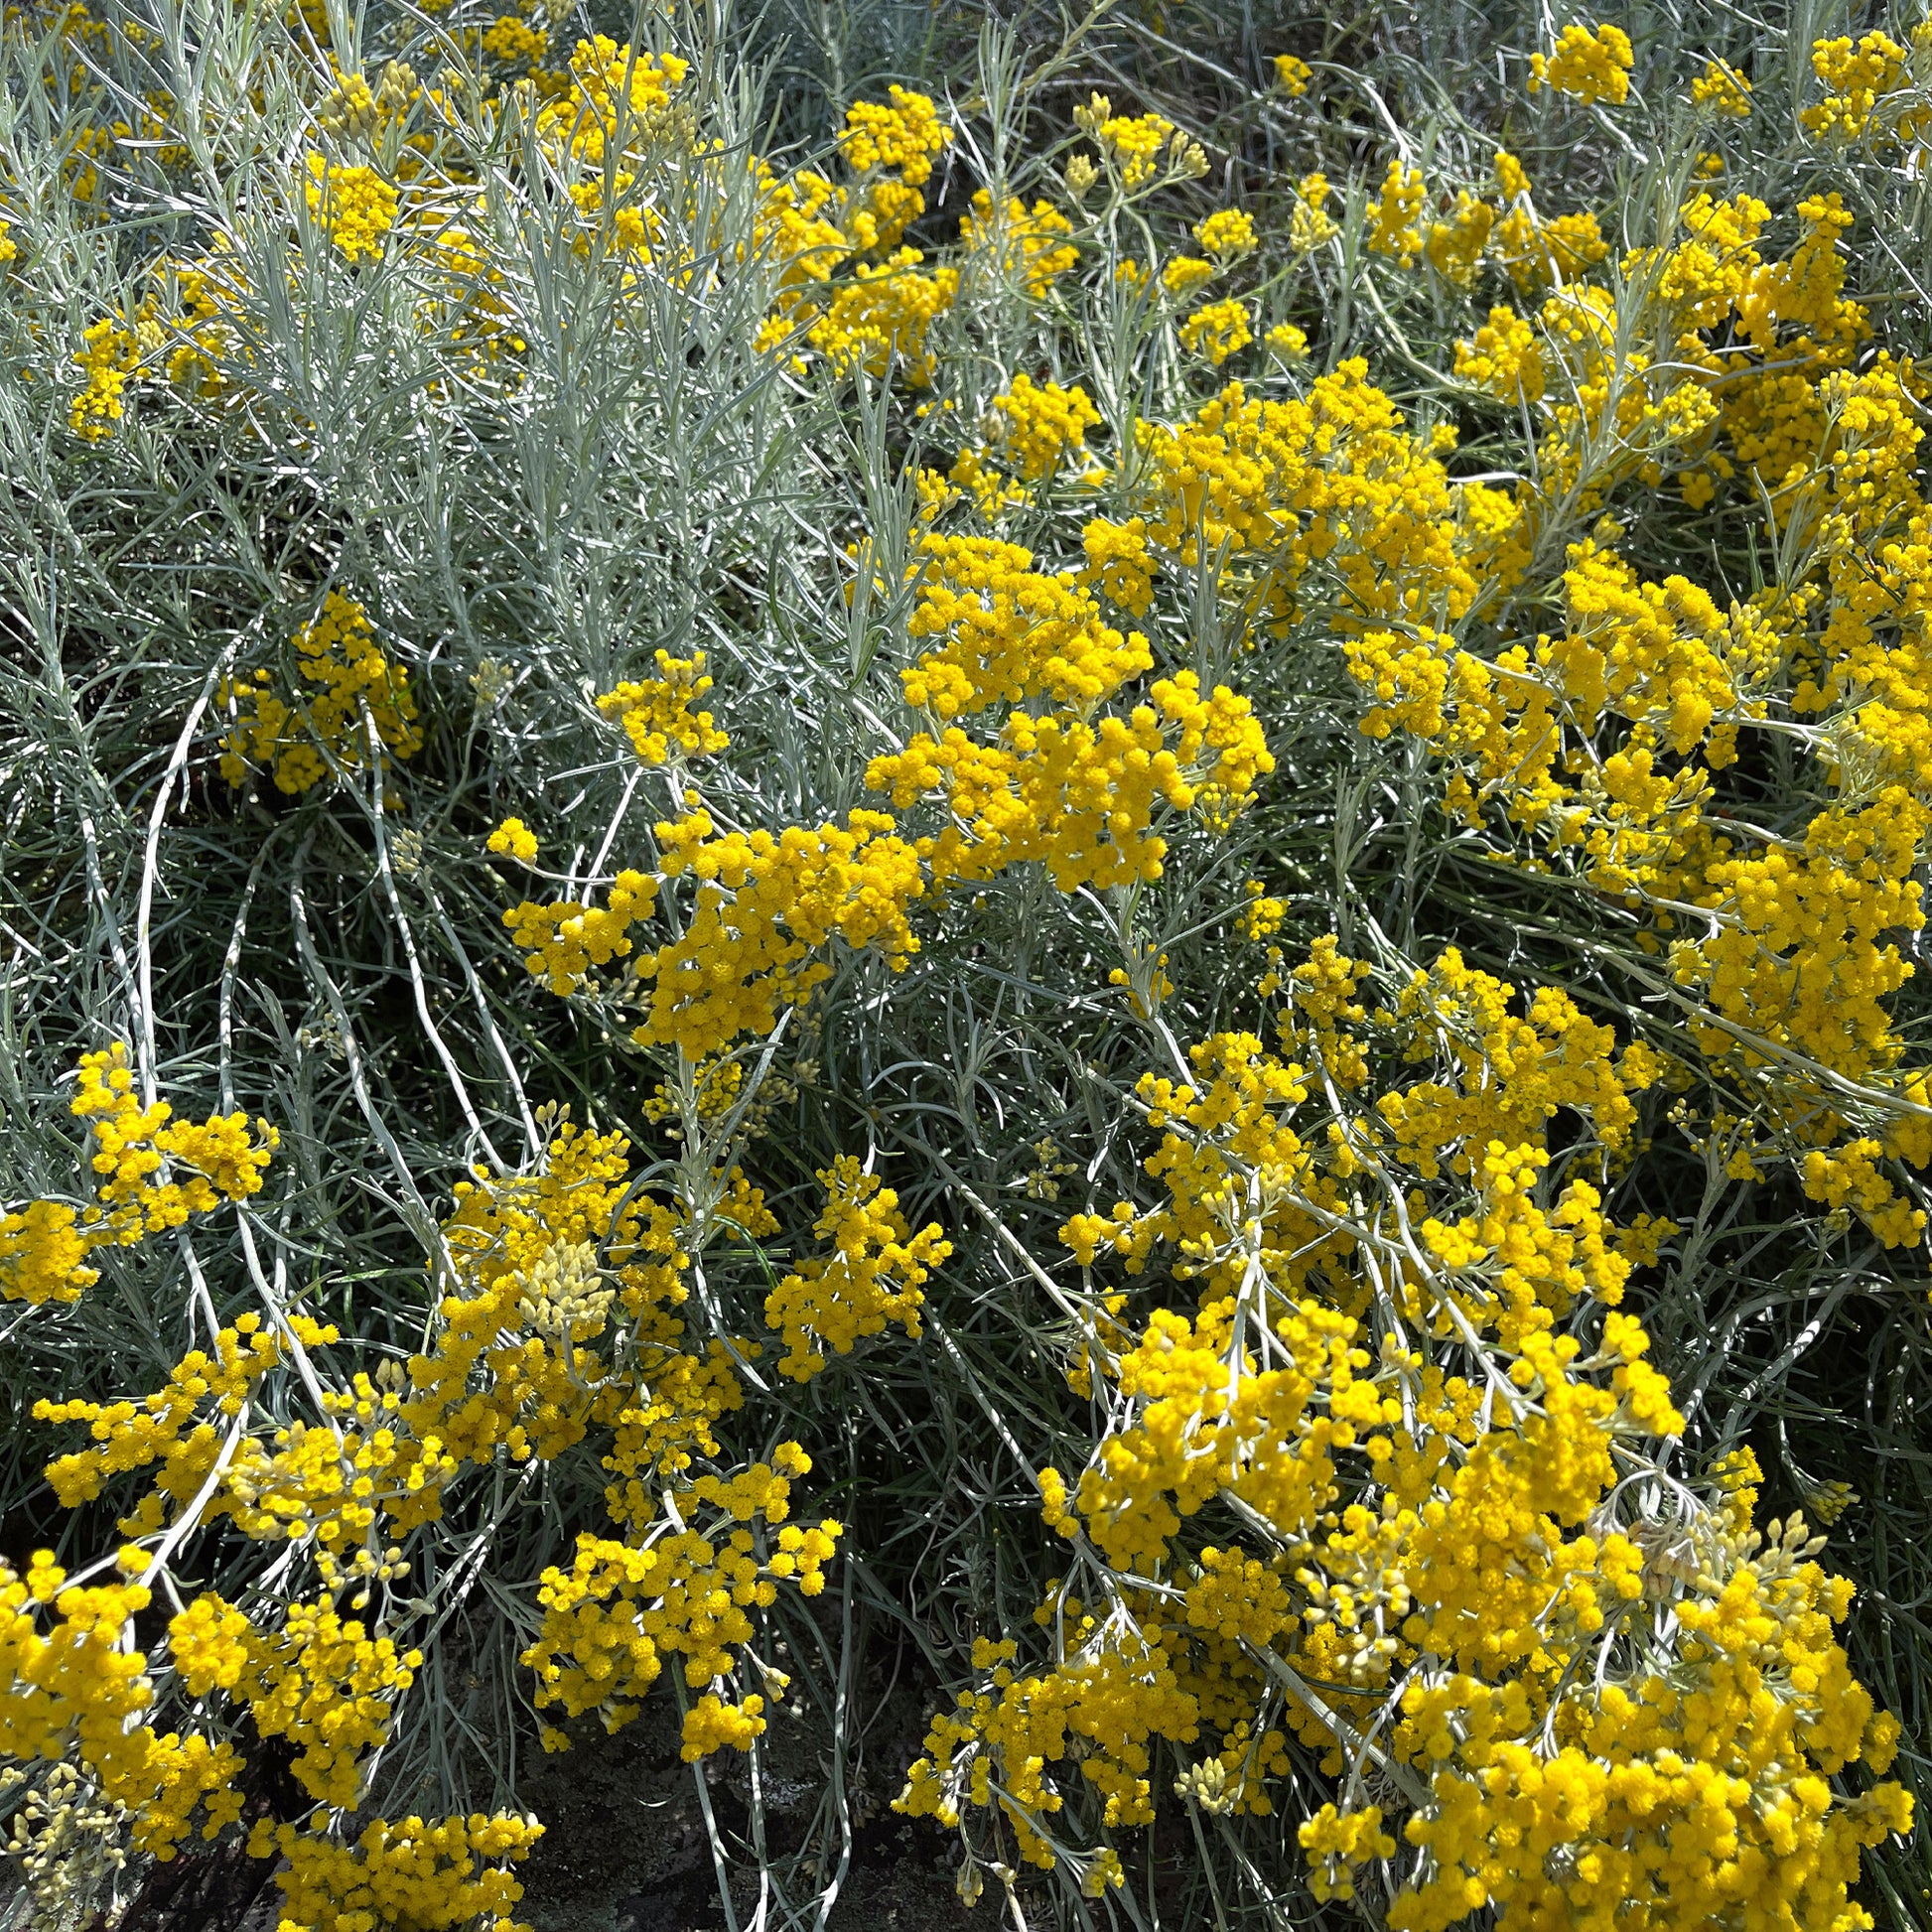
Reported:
(1228, 231)
(355, 206)
(1591, 64)
(1293, 74)
(515, 839)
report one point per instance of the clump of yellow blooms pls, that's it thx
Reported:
(1309, 224)
(358, 690)
(323, 1681)
(1039, 427)
(354, 206)
(1505, 357)
(621, 1608)
(1139, 151)
(1592, 64)
(78, 1689)
(1722, 90)
(1074, 788)
(44, 1254)
(109, 355)
(710, 1724)
(1185, 272)
(1293, 74)
(1217, 330)
(1433, 1540)
(897, 136)
(1017, 246)
(513, 42)
(1869, 93)
(656, 713)
(436, 1873)
(847, 287)
(1455, 246)
(1119, 562)
(514, 840)
(1392, 215)
(1228, 231)
(1374, 1498)
(151, 1173)
(873, 1275)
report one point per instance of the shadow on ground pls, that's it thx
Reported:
(625, 1849)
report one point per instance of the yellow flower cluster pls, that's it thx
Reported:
(109, 356)
(1005, 633)
(1391, 229)
(531, 1304)
(415, 1872)
(621, 1607)
(1722, 90)
(1448, 1580)
(1139, 151)
(657, 716)
(312, 1486)
(1079, 798)
(1694, 1802)
(1015, 246)
(1455, 246)
(894, 138)
(513, 42)
(1185, 272)
(1870, 95)
(1533, 250)
(1309, 223)
(871, 1277)
(78, 1692)
(1592, 64)
(152, 1172)
(763, 911)
(567, 938)
(848, 288)
(1226, 232)
(1324, 490)
(133, 1145)
(1335, 1844)
(1216, 331)
(1107, 1705)
(1073, 789)
(515, 839)
(1039, 427)
(359, 691)
(1119, 562)
(1293, 74)
(1505, 357)
(710, 1724)
(354, 206)
(324, 1682)
(44, 1254)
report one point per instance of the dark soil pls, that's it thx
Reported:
(625, 1848)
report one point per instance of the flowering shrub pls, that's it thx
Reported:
(990, 874)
